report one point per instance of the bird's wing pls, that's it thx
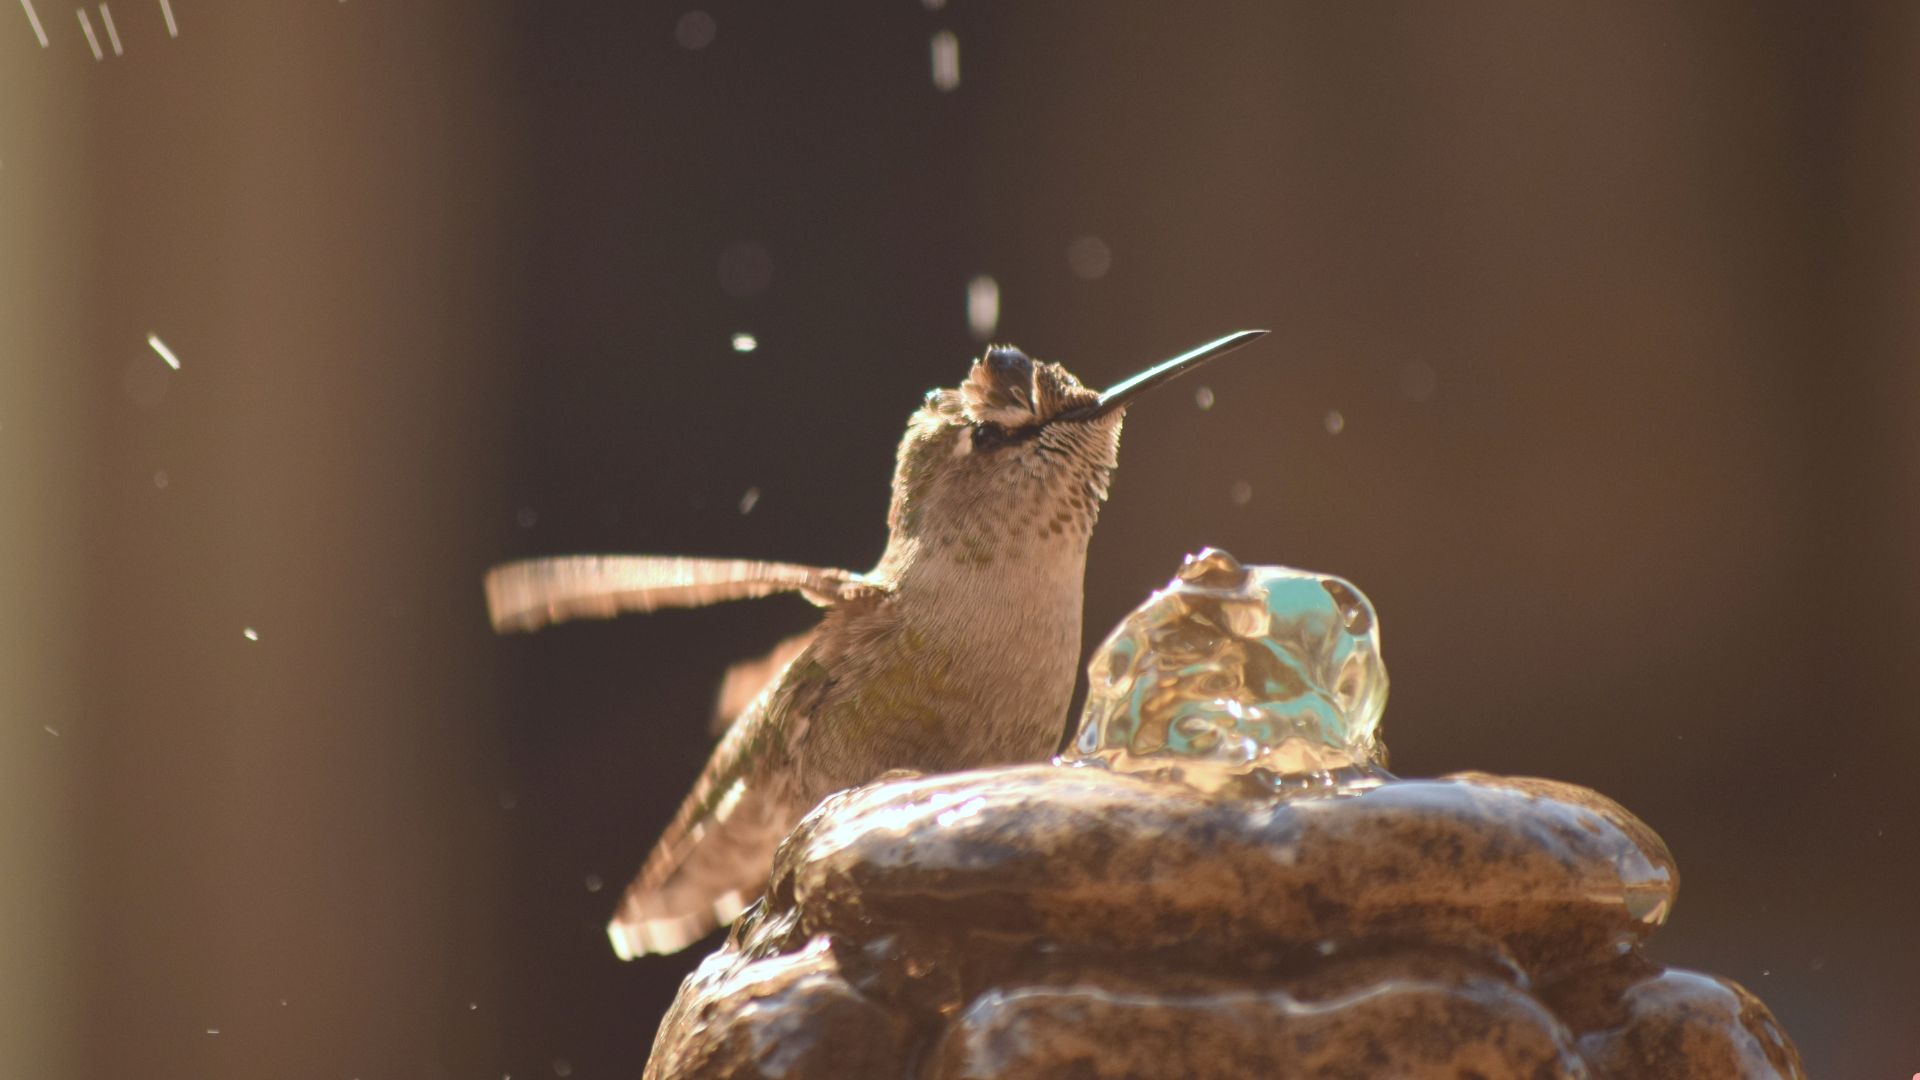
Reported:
(712, 860)
(533, 593)
(745, 680)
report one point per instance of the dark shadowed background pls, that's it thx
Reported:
(1595, 362)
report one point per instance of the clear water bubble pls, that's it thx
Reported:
(1336, 421)
(1240, 676)
(1203, 397)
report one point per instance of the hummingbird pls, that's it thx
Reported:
(957, 651)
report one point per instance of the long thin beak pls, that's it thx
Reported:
(1119, 394)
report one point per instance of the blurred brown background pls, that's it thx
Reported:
(1614, 305)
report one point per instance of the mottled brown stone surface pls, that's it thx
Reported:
(1401, 1029)
(1085, 857)
(1071, 922)
(780, 1018)
(1714, 1025)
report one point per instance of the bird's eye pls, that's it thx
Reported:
(987, 435)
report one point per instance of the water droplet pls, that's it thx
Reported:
(594, 884)
(1336, 423)
(746, 269)
(113, 35)
(158, 346)
(160, 479)
(93, 43)
(562, 1067)
(1418, 380)
(946, 61)
(1241, 493)
(695, 31)
(983, 306)
(748, 501)
(33, 17)
(473, 1006)
(51, 730)
(1203, 397)
(1089, 257)
(525, 517)
(213, 1031)
(744, 343)
(250, 634)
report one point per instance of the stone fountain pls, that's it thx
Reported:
(1218, 879)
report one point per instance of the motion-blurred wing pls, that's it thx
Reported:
(532, 593)
(744, 680)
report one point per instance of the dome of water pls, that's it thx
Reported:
(1233, 675)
